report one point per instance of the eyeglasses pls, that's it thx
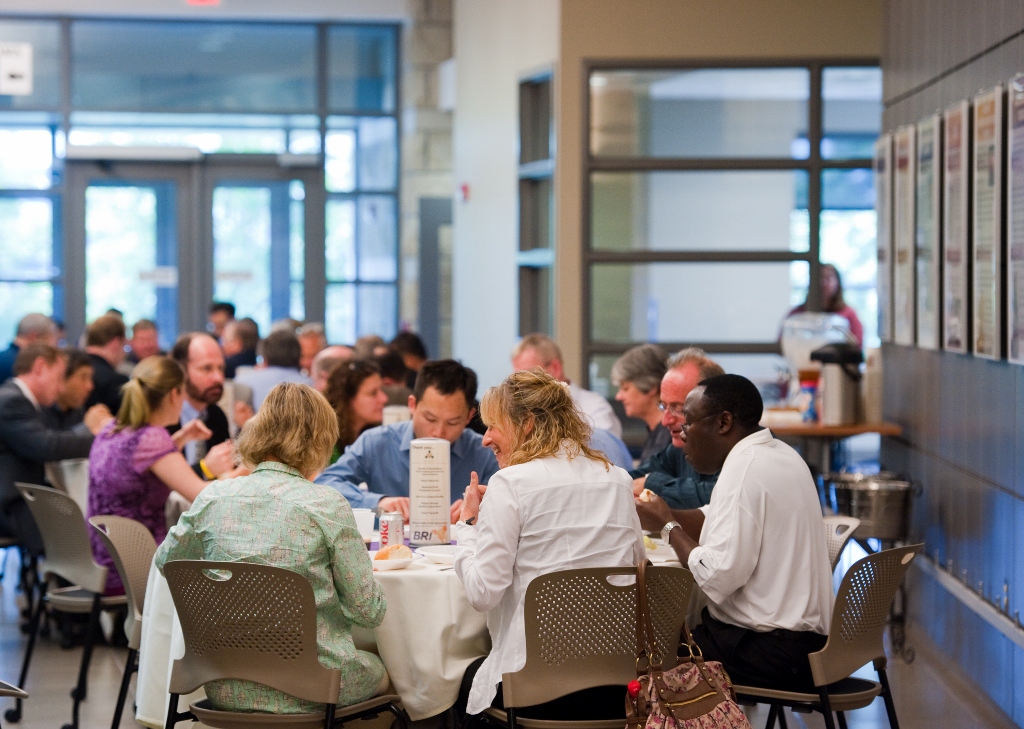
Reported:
(686, 426)
(676, 410)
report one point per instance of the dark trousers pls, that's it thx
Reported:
(17, 521)
(593, 704)
(776, 659)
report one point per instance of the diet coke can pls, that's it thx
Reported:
(392, 529)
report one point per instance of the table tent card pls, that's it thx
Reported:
(1015, 221)
(904, 232)
(987, 228)
(430, 491)
(956, 227)
(883, 210)
(929, 197)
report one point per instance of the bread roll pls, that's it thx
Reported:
(394, 551)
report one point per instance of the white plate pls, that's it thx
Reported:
(438, 553)
(662, 556)
(383, 565)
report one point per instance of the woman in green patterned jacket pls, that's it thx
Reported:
(277, 516)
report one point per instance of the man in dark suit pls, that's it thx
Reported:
(31, 328)
(199, 355)
(27, 442)
(104, 341)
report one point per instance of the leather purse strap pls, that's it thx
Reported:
(647, 643)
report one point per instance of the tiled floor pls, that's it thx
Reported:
(924, 699)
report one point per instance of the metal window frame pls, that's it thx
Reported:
(814, 165)
(72, 265)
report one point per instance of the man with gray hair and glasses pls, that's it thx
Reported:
(667, 473)
(31, 329)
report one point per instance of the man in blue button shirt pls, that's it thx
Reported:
(442, 405)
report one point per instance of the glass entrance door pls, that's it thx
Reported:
(259, 248)
(128, 231)
(161, 240)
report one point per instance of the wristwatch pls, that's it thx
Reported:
(667, 529)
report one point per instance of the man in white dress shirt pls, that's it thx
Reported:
(539, 350)
(758, 549)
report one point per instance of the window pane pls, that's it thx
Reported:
(304, 141)
(340, 314)
(296, 231)
(179, 66)
(297, 309)
(378, 154)
(671, 302)
(120, 250)
(241, 250)
(340, 164)
(208, 141)
(698, 211)
(27, 159)
(716, 112)
(378, 310)
(361, 69)
(26, 239)
(45, 39)
(378, 239)
(19, 299)
(340, 246)
(852, 112)
(848, 230)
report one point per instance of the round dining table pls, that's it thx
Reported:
(429, 636)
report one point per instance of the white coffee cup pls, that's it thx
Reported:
(364, 522)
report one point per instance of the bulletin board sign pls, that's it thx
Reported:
(928, 254)
(956, 226)
(904, 234)
(987, 223)
(883, 213)
(1015, 221)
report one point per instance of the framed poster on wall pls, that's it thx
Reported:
(1015, 221)
(956, 225)
(929, 199)
(904, 300)
(883, 213)
(987, 228)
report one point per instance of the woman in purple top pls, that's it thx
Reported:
(134, 463)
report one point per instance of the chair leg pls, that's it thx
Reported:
(773, 714)
(782, 718)
(511, 711)
(80, 691)
(842, 719)
(129, 668)
(14, 715)
(890, 706)
(400, 715)
(172, 712)
(826, 708)
(329, 716)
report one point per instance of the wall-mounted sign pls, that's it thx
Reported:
(929, 199)
(956, 227)
(15, 69)
(904, 299)
(1015, 221)
(883, 211)
(988, 249)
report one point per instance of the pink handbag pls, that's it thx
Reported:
(696, 693)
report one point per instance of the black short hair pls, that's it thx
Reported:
(446, 376)
(76, 360)
(282, 349)
(409, 343)
(179, 352)
(392, 366)
(225, 306)
(734, 394)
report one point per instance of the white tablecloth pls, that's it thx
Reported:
(429, 636)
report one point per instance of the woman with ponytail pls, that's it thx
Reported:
(134, 463)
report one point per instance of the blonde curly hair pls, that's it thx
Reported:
(540, 415)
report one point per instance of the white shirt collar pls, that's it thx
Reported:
(27, 393)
